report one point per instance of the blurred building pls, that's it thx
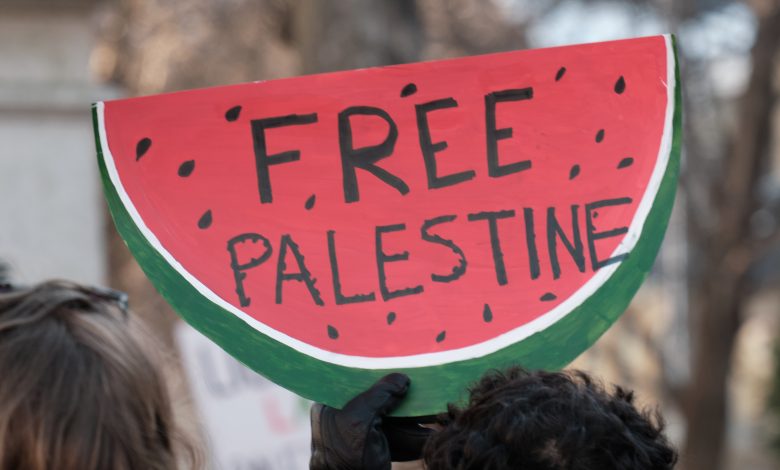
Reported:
(51, 210)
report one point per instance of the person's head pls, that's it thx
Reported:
(77, 390)
(548, 420)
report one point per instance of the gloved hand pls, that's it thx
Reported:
(353, 438)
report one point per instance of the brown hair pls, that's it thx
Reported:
(77, 390)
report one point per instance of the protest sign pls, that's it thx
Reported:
(439, 219)
(250, 423)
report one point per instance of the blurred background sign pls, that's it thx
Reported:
(250, 423)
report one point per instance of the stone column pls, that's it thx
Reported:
(51, 206)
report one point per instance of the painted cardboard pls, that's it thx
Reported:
(439, 219)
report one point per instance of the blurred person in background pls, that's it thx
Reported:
(78, 390)
(513, 420)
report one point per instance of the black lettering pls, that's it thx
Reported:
(430, 148)
(555, 232)
(262, 160)
(495, 242)
(341, 299)
(238, 268)
(302, 276)
(460, 268)
(366, 157)
(382, 258)
(216, 383)
(593, 235)
(495, 169)
(530, 241)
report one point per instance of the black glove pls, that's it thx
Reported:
(353, 438)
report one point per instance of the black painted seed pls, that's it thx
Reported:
(310, 202)
(626, 162)
(390, 318)
(409, 89)
(232, 113)
(595, 214)
(600, 135)
(185, 169)
(575, 170)
(142, 147)
(548, 297)
(487, 314)
(620, 85)
(205, 220)
(333, 333)
(560, 73)
(440, 337)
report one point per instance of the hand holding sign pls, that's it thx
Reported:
(438, 219)
(356, 437)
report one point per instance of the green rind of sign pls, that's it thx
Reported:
(432, 386)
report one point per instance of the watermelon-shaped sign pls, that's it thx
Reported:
(438, 219)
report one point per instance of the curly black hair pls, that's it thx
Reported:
(548, 420)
